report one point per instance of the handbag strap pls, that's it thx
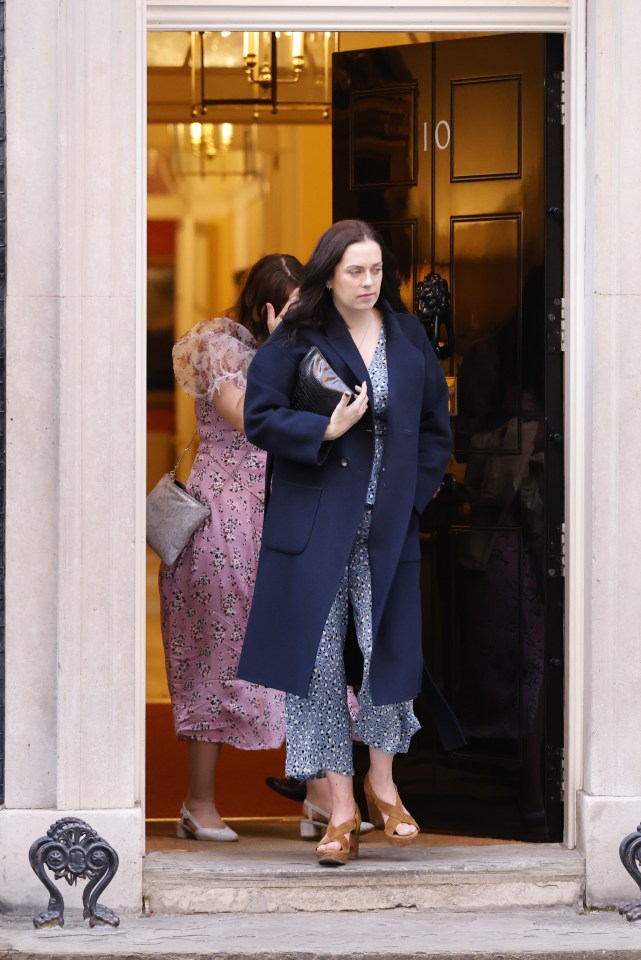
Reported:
(172, 473)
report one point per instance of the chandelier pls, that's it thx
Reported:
(271, 64)
(214, 149)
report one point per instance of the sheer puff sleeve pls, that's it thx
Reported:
(213, 352)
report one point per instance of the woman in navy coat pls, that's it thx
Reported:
(342, 526)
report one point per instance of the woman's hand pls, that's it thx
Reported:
(347, 414)
(272, 319)
(229, 401)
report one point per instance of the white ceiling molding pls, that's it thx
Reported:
(370, 15)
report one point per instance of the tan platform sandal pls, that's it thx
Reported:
(395, 814)
(347, 834)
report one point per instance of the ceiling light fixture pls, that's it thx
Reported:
(269, 62)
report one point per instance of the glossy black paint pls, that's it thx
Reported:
(461, 169)
(554, 499)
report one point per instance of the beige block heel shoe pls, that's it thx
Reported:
(188, 828)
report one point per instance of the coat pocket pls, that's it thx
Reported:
(290, 516)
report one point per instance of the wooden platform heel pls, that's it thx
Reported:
(347, 834)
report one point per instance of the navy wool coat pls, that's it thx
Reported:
(317, 500)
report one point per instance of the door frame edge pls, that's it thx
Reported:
(538, 17)
(576, 411)
(140, 452)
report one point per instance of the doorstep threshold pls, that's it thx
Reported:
(264, 875)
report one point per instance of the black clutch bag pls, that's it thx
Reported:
(318, 389)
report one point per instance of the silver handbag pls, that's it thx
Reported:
(173, 515)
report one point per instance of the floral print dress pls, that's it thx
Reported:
(206, 595)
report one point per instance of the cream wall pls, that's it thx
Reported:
(315, 186)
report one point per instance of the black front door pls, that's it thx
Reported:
(453, 150)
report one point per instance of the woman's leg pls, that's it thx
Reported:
(386, 729)
(319, 736)
(318, 726)
(319, 794)
(200, 801)
(382, 783)
(343, 803)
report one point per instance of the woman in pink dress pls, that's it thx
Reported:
(206, 594)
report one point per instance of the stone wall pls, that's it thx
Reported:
(3, 293)
(75, 433)
(609, 803)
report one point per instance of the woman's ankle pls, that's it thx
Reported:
(203, 807)
(319, 794)
(343, 813)
(382, 784)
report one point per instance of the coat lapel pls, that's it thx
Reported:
(404, 372)
(401, 355)
(338, 338)
(403, 362)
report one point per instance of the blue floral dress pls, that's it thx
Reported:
(319, 726)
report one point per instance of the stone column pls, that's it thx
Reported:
(610, 802)
(75, 361)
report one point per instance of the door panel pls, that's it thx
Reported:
(383, 141)
(488, 242)
(449, 149)
(485, 113)
(382, 100)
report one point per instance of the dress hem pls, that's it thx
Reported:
(183, 737)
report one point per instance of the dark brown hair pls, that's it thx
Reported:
(315, 302)
(272, 279)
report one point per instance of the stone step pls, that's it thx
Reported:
(515, 934)
(282, 876)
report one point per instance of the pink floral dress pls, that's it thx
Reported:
(205, 596)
